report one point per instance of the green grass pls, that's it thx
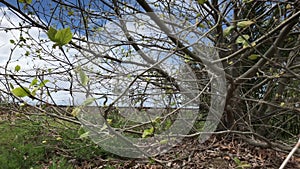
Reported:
(43, 142)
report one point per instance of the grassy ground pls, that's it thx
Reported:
(41, 142)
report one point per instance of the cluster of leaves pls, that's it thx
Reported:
(34, 86)
(60, 37)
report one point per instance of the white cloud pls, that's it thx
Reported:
(10, 56)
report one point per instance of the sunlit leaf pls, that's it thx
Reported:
(244, 24)
(253, 44)
(51, 34)
(277, 75)
(168, 123)
(242, 39)
(11, 86)
(201, 25)
(88, 101)
(58, 138)
(253, 56)
(43, 83)
(228, 30)
(83, 77)
(33, 82)
(201, 2)
(109, 121)
(236, 160)
(245, 165)
(75, 111)
(21, 92)
(17, 68)
(187, 60)
(157, 120)
(246, 44)
(81, 130)
(60, 37)
(27, 53)
(247, 1)
(288, 6)
(165, 141)
(63, 36)
(25, 1)
(104, 127)
(148, 132)
(70, 13)
(33, 92)
(84, 135)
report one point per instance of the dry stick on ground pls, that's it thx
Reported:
(290, 155)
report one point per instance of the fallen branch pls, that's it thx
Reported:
(290, 155)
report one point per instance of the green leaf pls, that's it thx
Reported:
(157, 120)
(84, 135)
(242, 39)
(253, 56)
(104, 127)
(76, 111)
(33, 92)
(12, 41)
(83, 78)
(81, 130)
(27, 53)
(288, 6)
(230, 62)
(201, 25)
(168, 124)
(147, 132)
(165, 141)
(237, 160)
(109, 121)
(43, 83)
(228, 30)
(88, 101)
(51, 34)
(201, 2)
(17, 68)
(247, 1)
(60, 37)
(245, 165)
(11, 86)
(33, 82)
(25, 1)
(70, 13)
(21, 92)
(63, 36)
(244, 24)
